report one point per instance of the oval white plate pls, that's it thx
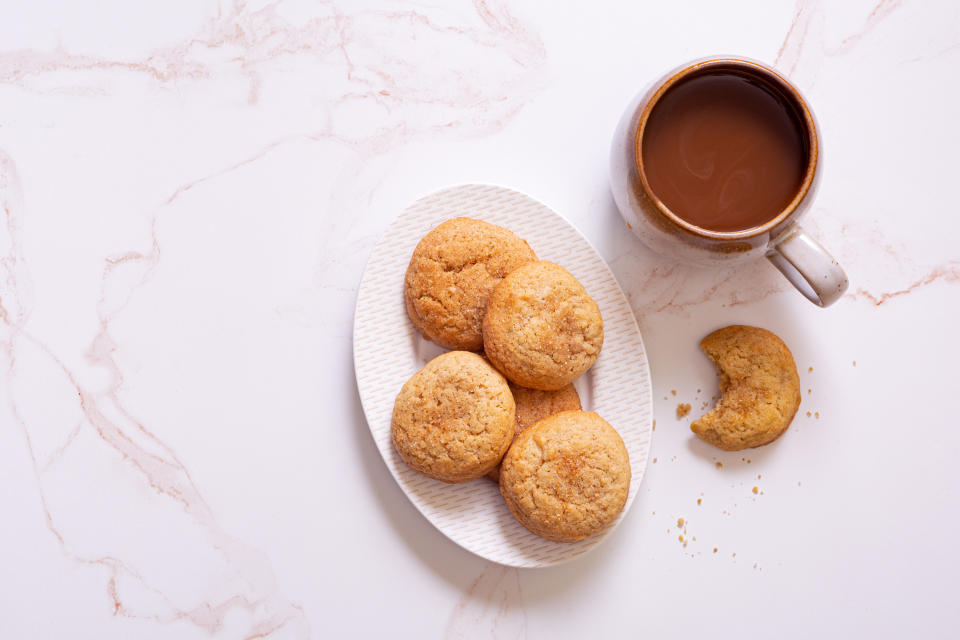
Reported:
(387, 350)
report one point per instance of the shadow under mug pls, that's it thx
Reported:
(804, 262)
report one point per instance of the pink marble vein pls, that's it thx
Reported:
(656, 285)
(377, 49)
(74, 425)
(946, 273)
(803, 49)
(492, 605)
(145, 458)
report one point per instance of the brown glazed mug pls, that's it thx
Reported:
(804, 262)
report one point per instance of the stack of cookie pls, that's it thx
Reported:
(511, 414)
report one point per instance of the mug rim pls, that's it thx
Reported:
(755, 68)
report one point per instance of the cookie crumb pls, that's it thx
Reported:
(654, 424)
(817, 415)
(682, 410)
(679, 522)
(854, 363)
(654, 461)
(759, 476)
(673, 391)
(714, 549)
(749, 460)
(756, 490)
(810, 370)
(808, 391)
(699, 500)
(719, 465)
(809, 414)
(680, 537)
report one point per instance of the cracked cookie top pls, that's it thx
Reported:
(452, 272)
(454, 419)
(567, 477)
(542, 329)
(534, 405)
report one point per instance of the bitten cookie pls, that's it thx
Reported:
(542, 329)
(454, 419)
(759, 385)
(534, 405)
(452, 272)
(566, 477)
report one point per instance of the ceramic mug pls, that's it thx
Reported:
(804, 262)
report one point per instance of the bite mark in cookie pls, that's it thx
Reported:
(759, 384)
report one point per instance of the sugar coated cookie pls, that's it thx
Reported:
(454, 419)
(534, 405)
(541, 328)
(566, 477)
(452, 272)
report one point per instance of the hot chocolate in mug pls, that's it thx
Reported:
(716, 163)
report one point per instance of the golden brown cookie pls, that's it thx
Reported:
(534, 405)
(566, 477)
(760, 387)
(542, 329)
(454, 419)
(452, 271)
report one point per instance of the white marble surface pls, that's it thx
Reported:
(189, 192)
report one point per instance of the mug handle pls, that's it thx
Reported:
(808, 267)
